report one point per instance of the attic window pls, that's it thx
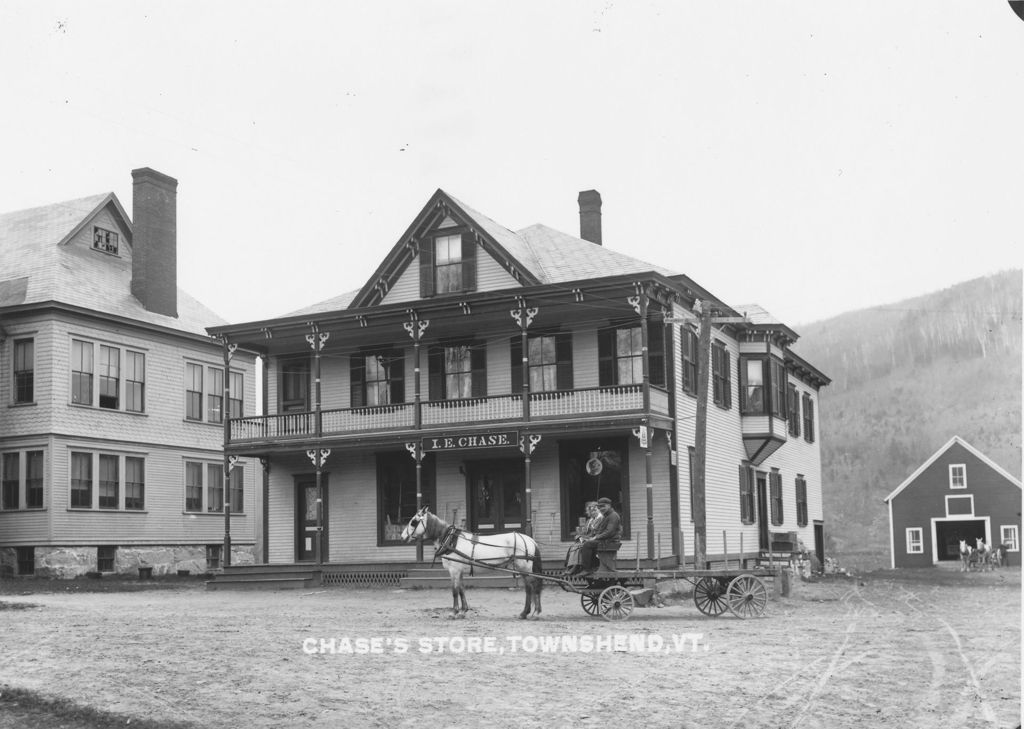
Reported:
(104, 240)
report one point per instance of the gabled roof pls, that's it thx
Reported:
(938, 454)
(39, 266)
(535, 255)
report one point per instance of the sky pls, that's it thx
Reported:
(811, 157)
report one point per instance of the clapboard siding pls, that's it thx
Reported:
(490, 276)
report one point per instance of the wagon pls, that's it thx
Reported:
(605, 592)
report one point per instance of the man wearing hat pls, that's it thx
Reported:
(609, 533)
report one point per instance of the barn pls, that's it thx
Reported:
(958, 493)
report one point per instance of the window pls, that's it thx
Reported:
(396, 492)
(105, 558)
(81, 480)
(620, 355)
(295, 385)
(24, 370)
(777, 370)
(752, 379)
(204, 487)
(377, 378)
(808, 418)
(747, 513)
(109, 482)
(113, 391)
(193, 391)
(134, 483)
(215, 399)
(457, 371)
(26, 557)
(688, 358)
(236, 483)
(81, 372)
(34, 480)
(193, 486)
(550, 361)
(775, 486)
(109, 377)
(1008, 536)
(591, 469)
(236, 394)
(915, 540)
(135, 382)
(104, 240)
(793, 398)
(801, 501)
(720, 367)
(957, 476)
(213, 552)
(447, 263)
(214, 487)
(10, 481)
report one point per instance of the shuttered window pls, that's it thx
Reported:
(775, 486)
(808, 418)
(377, 378)
(620, 355)
(688, 360)
(752, 386)
(550, 362)
(747, 514)
(794, 410)
(457, 371)
(801, 501)
(447, 263)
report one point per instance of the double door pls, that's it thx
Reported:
(496, 496)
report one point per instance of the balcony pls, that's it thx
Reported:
(340, 422)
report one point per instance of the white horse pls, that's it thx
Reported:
(984, 554)
(965, 556)
(460, 551)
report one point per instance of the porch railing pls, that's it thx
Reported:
(564, 403)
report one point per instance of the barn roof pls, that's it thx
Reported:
(956, 439)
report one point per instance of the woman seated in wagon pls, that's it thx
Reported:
(606, 536)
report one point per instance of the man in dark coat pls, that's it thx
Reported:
(609, 534)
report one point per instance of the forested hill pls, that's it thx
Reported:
(906, 377)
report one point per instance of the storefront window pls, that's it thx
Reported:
(592, 469)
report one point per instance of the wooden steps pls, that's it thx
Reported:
(266, 577)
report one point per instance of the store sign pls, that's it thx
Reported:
(502, 439)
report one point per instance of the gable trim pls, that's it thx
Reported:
(406, 250)
(119, 212)
(935, 456)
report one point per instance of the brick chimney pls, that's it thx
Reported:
(590, 216)
(155, 241)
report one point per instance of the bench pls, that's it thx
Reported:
(606, 557)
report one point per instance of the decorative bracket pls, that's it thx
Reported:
(318, 457)
(528, 443)
(265, 462)
(421, 323)
(634, 301)
(517, 314)
(232, 460)
(466, 308)
(415, 451)
(641, 433)
(316, 335)
(578, 294)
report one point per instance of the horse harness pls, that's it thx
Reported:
(446, 545)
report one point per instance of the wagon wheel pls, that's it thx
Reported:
(709, 596)
(747, 597)
(589, 602)
(615, 603)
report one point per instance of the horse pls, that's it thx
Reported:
(460, 551)
(983, 553)
(965, 556)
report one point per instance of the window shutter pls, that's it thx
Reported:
(656, 352)
(726, 378)
(357, 380)
(396, 376)
(478, 363)
(516, 361)
(435, 373)
(563, 357)
(468, 262)
(606, 357)
(426, 267)
(744, 516)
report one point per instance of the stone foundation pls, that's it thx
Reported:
(71, 562)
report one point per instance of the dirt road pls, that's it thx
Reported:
(924, 649)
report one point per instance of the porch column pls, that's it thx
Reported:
(317, 339)
(524, 318)
(319, 456)
(640, 304)
(527, 444)
(415, 449)
(229, 461)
